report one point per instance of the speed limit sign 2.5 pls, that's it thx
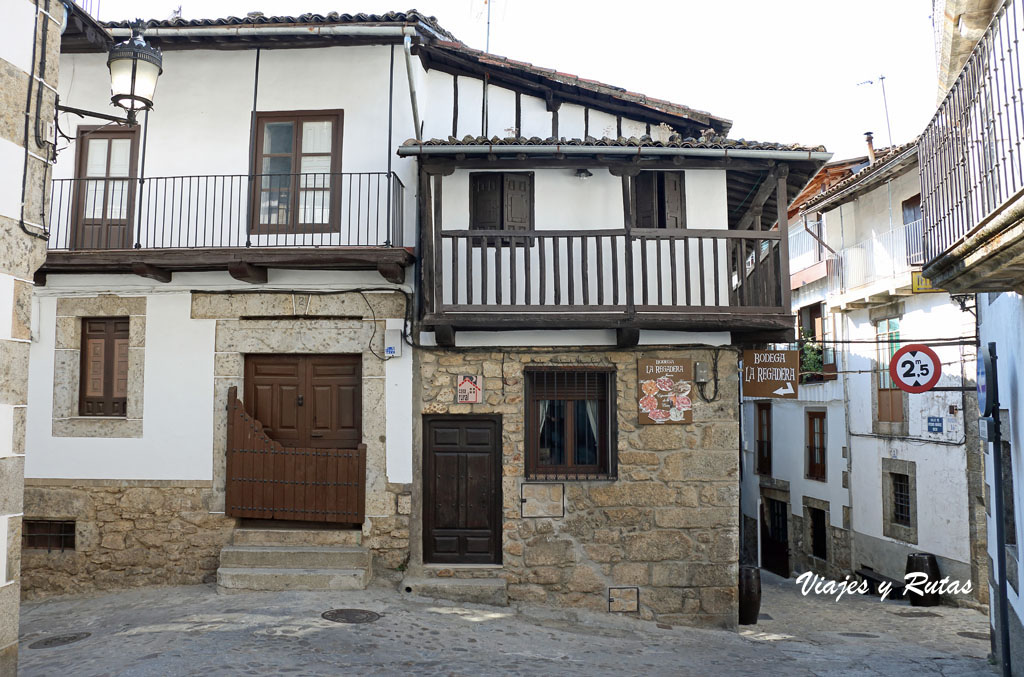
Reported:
(915, 368)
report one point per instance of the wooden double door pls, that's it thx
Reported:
(462, 489)
(306, 400)
(775, 536)
(294, 446)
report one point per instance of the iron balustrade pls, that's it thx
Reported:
(228, 210)
(620, 271)
(970, 153)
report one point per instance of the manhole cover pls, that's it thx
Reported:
(973, 635)
(865, 635)
(350, 616)
(917, 614)
(58, 640)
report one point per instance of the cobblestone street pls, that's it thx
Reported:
(193, 630)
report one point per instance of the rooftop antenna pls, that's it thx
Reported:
(885, 102)
(488, 41)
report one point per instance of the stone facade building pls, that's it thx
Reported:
(280, 347)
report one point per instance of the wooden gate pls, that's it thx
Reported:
(267, 480)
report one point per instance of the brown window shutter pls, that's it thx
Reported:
(646, 200)
(485, 201)
(104, 374)
(518, 201)
(675, 200)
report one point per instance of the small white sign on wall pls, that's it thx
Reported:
(470, 389)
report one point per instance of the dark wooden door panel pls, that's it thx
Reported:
(306, 460)
(462, 489)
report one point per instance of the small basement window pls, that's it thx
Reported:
(49, 535)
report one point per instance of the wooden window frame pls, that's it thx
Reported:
(259, 120)
(474, 217)
(607, 458)
(763, 446)
(812, 446)
(892, 412)
(655, 195)
(111, 403)
(79, 193)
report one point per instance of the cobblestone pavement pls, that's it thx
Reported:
(195, 631)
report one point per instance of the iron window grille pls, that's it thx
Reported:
(901, 499)
(49, 535)
(571, 424)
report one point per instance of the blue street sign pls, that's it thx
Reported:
(935, 424)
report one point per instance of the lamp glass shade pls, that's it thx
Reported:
(133, 90)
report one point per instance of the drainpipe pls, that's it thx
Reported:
(407, 44)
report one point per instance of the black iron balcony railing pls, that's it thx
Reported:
(970, 154)
(214, 211)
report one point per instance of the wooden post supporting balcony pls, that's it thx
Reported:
(782, 204)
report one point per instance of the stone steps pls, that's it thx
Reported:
(277, 579)
(296, 537)
(295, 557)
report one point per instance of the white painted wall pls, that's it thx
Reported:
(177, 439)
(1000, 318)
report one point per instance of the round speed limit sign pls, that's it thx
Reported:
(915, 368)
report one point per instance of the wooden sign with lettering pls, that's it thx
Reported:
(771, 373)
(663, 390)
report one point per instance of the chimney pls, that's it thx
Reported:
(870, 138)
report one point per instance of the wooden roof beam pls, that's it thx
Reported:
(760, 197)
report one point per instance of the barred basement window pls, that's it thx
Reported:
(900, 499)
(570, 424)
(49, 535)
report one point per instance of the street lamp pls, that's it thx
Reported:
(134, 67)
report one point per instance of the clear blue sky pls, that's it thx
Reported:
(784, 71)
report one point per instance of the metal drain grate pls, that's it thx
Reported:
(59, 640)
(865, 635)
(917, 614)
(973, 635)
(350, 616)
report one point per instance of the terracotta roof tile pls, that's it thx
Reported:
(882, 158)
(675, 141)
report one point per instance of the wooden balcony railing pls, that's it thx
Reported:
(226, 211)
(970, 154)
(597, 276)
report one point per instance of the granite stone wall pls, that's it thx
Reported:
(669, 525)
(127, 534)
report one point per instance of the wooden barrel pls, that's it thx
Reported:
(923, 562)
(750, 594)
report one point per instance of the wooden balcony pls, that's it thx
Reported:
(972, 169)
(626, 279)
(241, 223)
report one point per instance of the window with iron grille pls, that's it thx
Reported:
(570, 423)
(49, 535)
(900, 498)
(816, 446)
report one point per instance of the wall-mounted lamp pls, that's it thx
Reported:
(134, 68)
(583, 174)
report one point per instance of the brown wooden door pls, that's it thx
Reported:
(105, 191)
(462, 489)
(775, 536)
(294, 447)
(306, 400)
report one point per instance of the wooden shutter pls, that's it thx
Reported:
(518, 201)
(675, 200)
(912, 209)
(485, 201)
(104, 370)
(646, 200)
